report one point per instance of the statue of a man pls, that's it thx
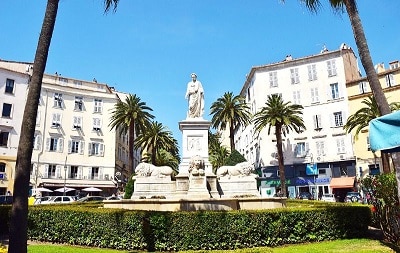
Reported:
(195, 96)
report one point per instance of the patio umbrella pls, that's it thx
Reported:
(64, 189)
(42, 189)
(92, 189)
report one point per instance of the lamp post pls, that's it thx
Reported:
(314, 174)
(65, 173)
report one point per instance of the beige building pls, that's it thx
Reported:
(358, 90)
(14, 78)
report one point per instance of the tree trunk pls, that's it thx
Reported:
(19, 211)
(232, 136)
(131, 148)
(278, 134)
(385, 163)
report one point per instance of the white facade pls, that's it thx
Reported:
(318, 83)
(14, 77)
(73, 143)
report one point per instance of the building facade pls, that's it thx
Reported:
(14, 78)
(358, 90)
(318, 83)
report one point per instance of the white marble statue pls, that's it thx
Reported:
(241, 170)
(196, 166)
(150, 170)
(195, 96)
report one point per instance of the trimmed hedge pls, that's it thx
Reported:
(201, 230)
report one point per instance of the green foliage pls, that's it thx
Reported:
(382, 195)
(234, 158)
(129, 188)
(199, 230)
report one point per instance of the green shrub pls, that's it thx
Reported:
(129, 188)
(199, 230)
(381, 193)
(234, 158)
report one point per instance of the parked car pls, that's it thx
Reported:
(353, 197)
(114, 198)
(59, 200)
(328, 197)
(6, 199)
(40, 199)
(305, 195)
(91, 198)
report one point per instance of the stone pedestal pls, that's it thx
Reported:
(147, 187)
(198, 188)
(238, 187)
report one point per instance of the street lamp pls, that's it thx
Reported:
(65, 173)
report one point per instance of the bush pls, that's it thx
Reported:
(234, 158)
(381, 193)
(129, 188)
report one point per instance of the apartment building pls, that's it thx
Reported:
(14, 78)
(358, 90)
(318, 83)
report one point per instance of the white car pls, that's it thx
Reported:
(328, 197)
(58, 200)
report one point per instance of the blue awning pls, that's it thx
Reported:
(384, 133)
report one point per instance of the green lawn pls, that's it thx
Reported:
(341, 246)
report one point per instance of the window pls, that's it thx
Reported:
(4, 139)
(314, 95)
(394, 65)
(312, 72)
(296, 97)
(98, 104)
(334, 90)
(294, 75)
(320, 148)
(77, 83)
(331, 66)
(2, 167)
(317, 122)
(56, 122)
(96, 124)
(343, 170)
(390, 80)
(322, 171)
(374, 169)
(54, 144)
(301, 149)
(96, 149)
(74, 172)
(273, 79)
(78, 104)
(52, 171)
(95, 173)
(338, 119)
(58, 100)
(9, 86)
(76, 146)
(341, 148)
(6, 110)
(77, 122)
(63, 80)
(368, 144)
(363, 87)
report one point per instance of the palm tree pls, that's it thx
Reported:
(156, 138)
(132, 117)
(283, 116)
(361, 118)
(19, 211)
(230, 110)
(217, 153)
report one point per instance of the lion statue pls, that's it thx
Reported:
(241, 170)
(150, 170)
(196, 166)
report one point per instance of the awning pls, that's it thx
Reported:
(342, 182)
(384, 133)
(49, 182)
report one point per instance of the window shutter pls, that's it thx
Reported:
(90, 173)
(307, 148)
(101, 146)
(101, 173)
(69, 147)
(46, 171)
(58, 171)
(81, 147)
(90, 149)
(80, 172)
(294, 148)
(60, 145)
(38, 118)
(48, 144)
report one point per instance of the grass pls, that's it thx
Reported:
(340, 246)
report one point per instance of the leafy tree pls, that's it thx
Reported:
(360, 120)
(283, 116)
(132, 117)
(216, 151)
(234, 158)
(19, 212)
(230, 110)
(129, 188)
(156, 138)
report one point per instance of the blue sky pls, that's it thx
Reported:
(149, 48)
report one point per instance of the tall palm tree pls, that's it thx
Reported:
(19, 211)
(133, 117)
(230, 110)
(284, 117)
(361, 118)
(156, 138)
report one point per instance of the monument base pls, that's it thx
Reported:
(153, 187)
(235, 187)
(198, 188)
